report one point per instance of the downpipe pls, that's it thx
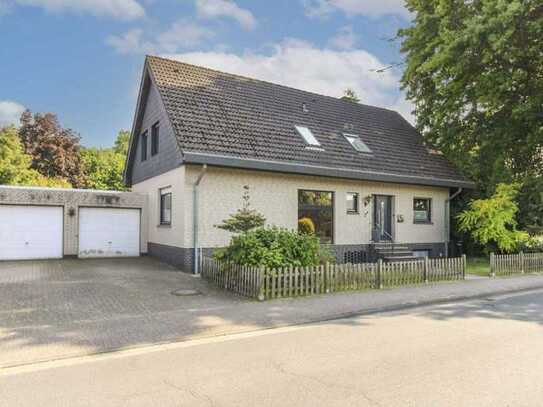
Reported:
(448, 220)
(195, 218)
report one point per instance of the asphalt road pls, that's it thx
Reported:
(479, 353)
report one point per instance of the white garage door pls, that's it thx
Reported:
(30, 232)
(109, 232)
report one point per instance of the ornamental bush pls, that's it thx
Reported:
(306, 226)
(274, 247)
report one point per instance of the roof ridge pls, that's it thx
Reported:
(205, 68)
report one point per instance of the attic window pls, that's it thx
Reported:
(357, 144)
(308, 137)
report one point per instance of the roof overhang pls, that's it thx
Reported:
(308, 169)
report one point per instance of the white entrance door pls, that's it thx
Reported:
(30, 232)
(109, 232)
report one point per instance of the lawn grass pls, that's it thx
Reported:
(478, 265)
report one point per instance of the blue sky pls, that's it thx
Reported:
(82, 59)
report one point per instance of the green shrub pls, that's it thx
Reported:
(306, 226)
(493, 222)
(274, 247)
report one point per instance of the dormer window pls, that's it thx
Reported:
(356, 143)
(308, 136)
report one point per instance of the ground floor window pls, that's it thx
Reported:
(165, 206)
(422, 210)
(316, 212)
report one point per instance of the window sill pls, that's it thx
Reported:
(164, 225)
(423, 223)
(353, 213)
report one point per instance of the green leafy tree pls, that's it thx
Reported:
(15, 164)
(104, 168)
(55, 151)
(493, 220)
(474, 70)
(121, 143)
(244, 219)
(350, 96)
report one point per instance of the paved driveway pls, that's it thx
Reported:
(51, 309)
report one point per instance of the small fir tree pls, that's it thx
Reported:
(245, 219)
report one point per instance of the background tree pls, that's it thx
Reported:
(15, 164)
(55, 151)
(474, 70)
(493, 220)
(350, 96)
(121, 143)
(244, 219)
(104, 167)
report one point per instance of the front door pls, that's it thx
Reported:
(382, 218)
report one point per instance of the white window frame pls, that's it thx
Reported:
(361, 148)
(308, 136)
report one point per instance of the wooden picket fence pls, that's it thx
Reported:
(512, 264)
(263, 284)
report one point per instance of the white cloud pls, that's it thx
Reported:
(370, 8)
(225, 8)
(344, 39)
(181, 35)
(121, 9)
(10, 112)
(302, 65)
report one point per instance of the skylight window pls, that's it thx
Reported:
(357, 144)
(308, 137)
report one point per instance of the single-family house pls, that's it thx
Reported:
(361, 174)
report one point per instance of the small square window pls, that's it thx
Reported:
(144, 146)
(165, 206)
(422, 210)
(155, 138)
(308, 136)
(352, 202)
(356, 143)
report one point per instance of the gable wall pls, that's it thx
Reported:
(168, 156)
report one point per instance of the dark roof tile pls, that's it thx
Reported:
(218, 113)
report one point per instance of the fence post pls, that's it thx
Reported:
(261, 295)
(426, 268)
(327, 278)
(378, 282)
(464, 265)
(521, 258)
(492, 265)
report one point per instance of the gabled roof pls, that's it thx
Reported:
(229, 120)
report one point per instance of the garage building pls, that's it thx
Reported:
(50, 223)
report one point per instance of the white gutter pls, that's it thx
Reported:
(448, 220)
(195, 224)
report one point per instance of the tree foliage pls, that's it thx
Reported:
(15, 164)
(244, 219)
(104, 166)
(474, 70)
(350, 96)
(54, 151)
(493, 220)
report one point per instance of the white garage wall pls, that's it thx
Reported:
(71, 200)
